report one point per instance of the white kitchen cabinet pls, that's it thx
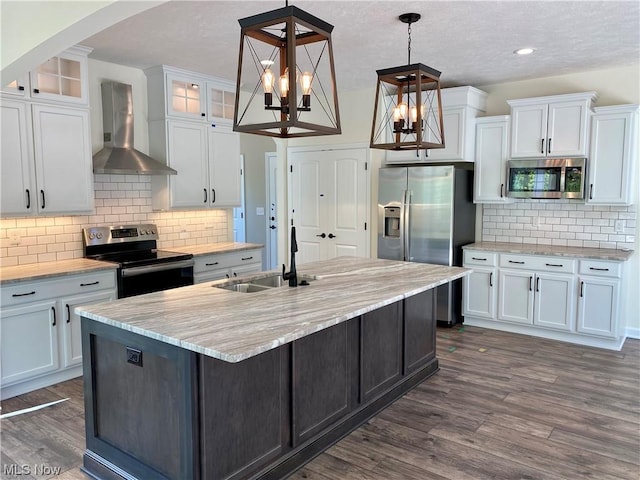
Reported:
(29, 341)
(46, 159)
(613, 155)
(460, 107)
(599, 298)
(40, 338)
(18, 88)
(554, 126)
(216, 266)
(177, 93)
(568, 299)
(71, 342)
(207, 160)
(491, 156)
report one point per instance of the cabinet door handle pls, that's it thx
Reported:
(591, 192)
(235, 274)
(23, 294)
(549, 146)
(21, 88)
(36, 90)
(554, 265)
(213, 195)
(227, 275)
(53, 310)
(542, 145)
(203, 115)
(518, 263)
(68, 313)
(530, 283)
(599, 269)
(491, 279)
(502, 190)
(211, 264)
(478, 258)
(581, 289)
(205, 195)
(322, 235)
(42, 195)
(89, 284)
(331, 235)
(247, 258)
(538, 284)
(28, 198)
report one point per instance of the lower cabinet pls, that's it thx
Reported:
(217, 266)
(40, 341)
(578, 304)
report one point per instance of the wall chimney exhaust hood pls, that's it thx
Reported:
(118, 155)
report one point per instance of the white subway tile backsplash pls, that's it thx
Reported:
(559, 222)
(118, 200)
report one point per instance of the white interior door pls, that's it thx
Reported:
(329, 203)
(272, 221)
(239, 217)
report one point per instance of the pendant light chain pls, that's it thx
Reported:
(409, 43)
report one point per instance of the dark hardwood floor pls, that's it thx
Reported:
(503, 406)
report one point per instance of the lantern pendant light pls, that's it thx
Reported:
(286, 85)
(408, 106)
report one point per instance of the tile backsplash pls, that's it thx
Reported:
(119, 200)
(560, 222)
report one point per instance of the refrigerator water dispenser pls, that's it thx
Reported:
(392, 222)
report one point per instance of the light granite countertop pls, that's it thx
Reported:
(39, 271)
(553, 250)
(211, 248)
(234, 326)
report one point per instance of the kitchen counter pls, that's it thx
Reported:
(211, 248)
(39, 271)
(553, 250)
(234, 326)
(204, 383)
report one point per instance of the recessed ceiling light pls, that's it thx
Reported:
(524, 51)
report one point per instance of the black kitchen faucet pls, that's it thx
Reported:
(292, 275)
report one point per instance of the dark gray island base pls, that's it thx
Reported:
(159, 411)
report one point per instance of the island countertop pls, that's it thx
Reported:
(234, 326)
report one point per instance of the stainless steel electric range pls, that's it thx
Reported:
(143, 268)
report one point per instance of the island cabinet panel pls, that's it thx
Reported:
(142, 392)
(419, 335)
(243, 408)
(380, 350)
(322, 382)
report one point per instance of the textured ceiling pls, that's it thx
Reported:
(470, 42)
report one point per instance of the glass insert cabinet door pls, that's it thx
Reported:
(59, 76)
(186, 97)
(221, 104)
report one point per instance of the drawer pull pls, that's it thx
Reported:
(530, 283)
(68, 313)
(89, 284)
(554, 265)
(211, 264)
(599, 269)
(537, 284)
(23, 294)
(491, 279)
(519, 263)
(247, 258)
(581, 289)
(53, 310)
(478, 258)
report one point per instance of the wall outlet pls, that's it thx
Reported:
(14, 238)
(618, 226)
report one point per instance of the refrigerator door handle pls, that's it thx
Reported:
(406, 245)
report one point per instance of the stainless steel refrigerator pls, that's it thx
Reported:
(426, 214)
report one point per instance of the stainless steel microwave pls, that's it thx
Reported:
(546, 178)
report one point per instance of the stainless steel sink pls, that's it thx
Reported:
(262, 284)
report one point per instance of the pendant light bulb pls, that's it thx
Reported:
(305, 83)
(284, 84)
(268, 80)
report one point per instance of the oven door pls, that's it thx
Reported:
(153, 278)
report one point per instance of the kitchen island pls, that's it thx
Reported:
(202, 382)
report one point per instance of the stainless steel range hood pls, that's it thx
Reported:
(118, 155)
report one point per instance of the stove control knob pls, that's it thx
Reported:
(143, 232)
(153, 232)
(98, 235)
(92, 236)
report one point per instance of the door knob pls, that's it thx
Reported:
(331, 235)
(322, 235)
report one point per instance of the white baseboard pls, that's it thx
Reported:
(633, 332)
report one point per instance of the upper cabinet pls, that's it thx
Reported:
(555, 126)
(179, 93)
(63, 78)
(190, 119)
(491, 155)
(460, 107)
(614, 152)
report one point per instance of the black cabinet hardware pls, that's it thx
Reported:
(491, 279)
(89, 284)
(542, 146)
(554, 265)
(591, 192)
(501, 190)
(53, 310)
(530, 283)
(247, 258)
(211, 264)
(518, 263)
(322, 235)
(43, 202)
(582, 289)
(599, 269)
(478, 258)
(36, 90)
(68, 313)
(272, 227)
(538, 284)
(202, 115)
(23, 294)
(28, 198)
(549, 146)
(21, 88)
(205, 195)
(235, 274)
(331, 235)
(213, 195)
